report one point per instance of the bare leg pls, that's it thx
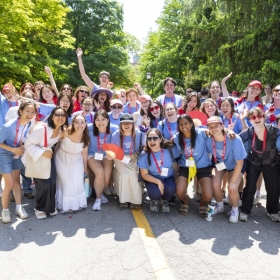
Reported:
(9, 183)
(207, 190)
(17, 188)
(234, 196)
(181, 189)
(217, 181)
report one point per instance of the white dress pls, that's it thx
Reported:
(70, 193)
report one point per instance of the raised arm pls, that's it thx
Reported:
(139, 88)
(224, 87)
(85, 77)
(52, 81)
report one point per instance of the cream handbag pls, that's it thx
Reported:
(41, 169)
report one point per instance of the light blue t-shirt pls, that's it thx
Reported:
(154, 123)
(176, 99)
(200, 154)
(128, 144)
(114, 121)
(45, 110)
(4, 107)
(246, 105)
(89, 119)
(167, 162)
(130, 110)
(234, 151)
(167, 129)
(103, 138)
(238, 124)
(8, 134)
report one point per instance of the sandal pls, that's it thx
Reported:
(40, 214)
(184, 209)
(203, 211)
(124, 205)
(133, 206)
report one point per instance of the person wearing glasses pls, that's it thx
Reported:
(227, 157)
(87, 110)
(262, 142)
(157, 113)
(12, 136)
(80, 93)
(34, 147)
(116, 112)
(156, 168)
(104, 77)
(169, 85)
(272, 110)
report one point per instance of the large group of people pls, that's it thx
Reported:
(216, 140)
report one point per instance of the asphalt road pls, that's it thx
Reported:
(108, 244)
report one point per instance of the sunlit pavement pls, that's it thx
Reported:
(109, 244)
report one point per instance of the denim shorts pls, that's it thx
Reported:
(8, 163)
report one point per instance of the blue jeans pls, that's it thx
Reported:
(169, 189)
(26, 182)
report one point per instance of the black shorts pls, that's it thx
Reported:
(200, 172)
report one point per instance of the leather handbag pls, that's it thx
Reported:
(41, 169)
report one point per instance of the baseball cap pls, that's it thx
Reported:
(126, 118)
(214, 119)
(255, 83)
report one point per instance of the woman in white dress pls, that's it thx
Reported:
(71, 164)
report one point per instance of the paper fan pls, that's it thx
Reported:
(198, 115)
(114, 151)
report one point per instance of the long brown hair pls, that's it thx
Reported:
(85, 137)
(122, 135)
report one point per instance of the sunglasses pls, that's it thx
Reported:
(65, 88)
(116, 107)
(60, 115)
(154, 138)
(87, 105)
(277, 89)
(253, 118)
(169, 109)
(85, 91)
(154, 108)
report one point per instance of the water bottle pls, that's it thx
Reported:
(210, 212)
(87, 187)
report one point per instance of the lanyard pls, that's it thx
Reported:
(214, 149)
(98, 141)
(16, 141)
(172, 100)
(90, 117)
(10, 105)
(264, 141)
(230, 119)
(129, 110)
(250, 105)
(169, 128)
(186, 150)
(161, 160)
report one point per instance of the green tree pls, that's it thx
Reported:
(32, 35)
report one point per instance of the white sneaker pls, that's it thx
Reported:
(239, 203)
(243, 217)
(104, 199)
(257, 199)
(226, 200)
(107, 191)
(233, 216)
(113, 191)
(21, 213)
(219, 209)
(97, 205)
(6, 217)
(274, 217)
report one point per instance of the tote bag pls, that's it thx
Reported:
(41, 169)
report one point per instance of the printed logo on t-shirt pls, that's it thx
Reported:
(220, 152)
(128, 145)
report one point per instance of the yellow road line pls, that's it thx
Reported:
(157, 259)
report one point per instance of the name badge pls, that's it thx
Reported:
(220, 166)
(126, 160)
(164, 172)
(189, 162)
(98, 156)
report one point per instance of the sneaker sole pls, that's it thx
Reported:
(272, 218)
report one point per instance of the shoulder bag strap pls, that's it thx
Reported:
(45, 137)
